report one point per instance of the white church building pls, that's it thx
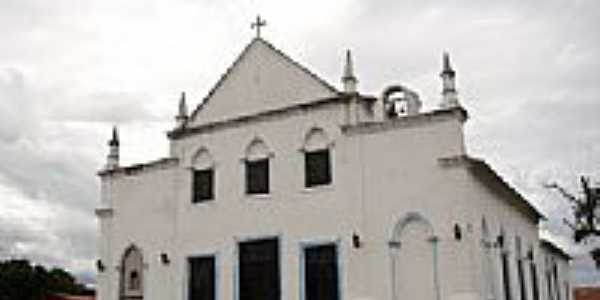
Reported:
(280, 186)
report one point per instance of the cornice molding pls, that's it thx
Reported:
(440, 115)
(160, 164)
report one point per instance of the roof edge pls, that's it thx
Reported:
(141, 167)
(181, 132)
(555, 248)
(475, 164)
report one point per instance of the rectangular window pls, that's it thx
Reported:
(259, 270)
(521, 274)
(257, 176)
(534, 282)
(506, 276)
(321, 281)
(317, 168)
(201, 278)
(556, 282)
(549, 285)
(203, 185)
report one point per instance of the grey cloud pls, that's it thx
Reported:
(527, 73)
(105, 107)
(15, 106)
(44, 175)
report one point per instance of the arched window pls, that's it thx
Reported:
(317, 158)
(203, 176)
(257, 168)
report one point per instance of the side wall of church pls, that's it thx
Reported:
(403, 177)
(501, 216)
(559, 286)
(380, 178)
(143, 216)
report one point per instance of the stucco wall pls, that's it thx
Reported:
(381, 174)
(144, 207)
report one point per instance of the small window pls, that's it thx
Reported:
(506, 275)
(257, 176)
(203, 185)
(317, 168)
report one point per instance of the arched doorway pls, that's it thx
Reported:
(413, 252)
(132, 274)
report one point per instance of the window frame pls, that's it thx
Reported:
(215, 274)
(212, 196)
(237, 272)
(327, 178)
(254, 163)
(338, 261)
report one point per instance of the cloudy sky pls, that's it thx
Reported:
(528, 72)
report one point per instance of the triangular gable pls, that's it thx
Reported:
(262, 78)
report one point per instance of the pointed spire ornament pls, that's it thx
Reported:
(446, 65)
(449, 94)
(114, 141)
(182, 114)
(348, 79)
(112, 160)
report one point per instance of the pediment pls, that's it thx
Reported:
(261, 79)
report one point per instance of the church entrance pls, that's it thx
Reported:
(413, 259)
(132, 271)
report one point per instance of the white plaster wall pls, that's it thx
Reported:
(378, 178)
(143, 214)
(402, 175)
(291, 212)
(564, 274)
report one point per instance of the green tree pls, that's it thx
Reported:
(19, 279)
(586, 213)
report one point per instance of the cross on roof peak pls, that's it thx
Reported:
(258, 24)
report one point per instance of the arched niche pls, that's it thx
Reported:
(132, 274)
(256, 150)
(400, 101)
(316, 139)
(202, 159)
(413, 254)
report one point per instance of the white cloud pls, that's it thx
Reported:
(68, 70)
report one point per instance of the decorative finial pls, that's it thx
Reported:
(348, 79)
(112, 160)
(114, 141)
(182, 114)
(446, 67)
(258, 24)
(449, 94)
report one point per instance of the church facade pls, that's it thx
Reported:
(280, 186)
